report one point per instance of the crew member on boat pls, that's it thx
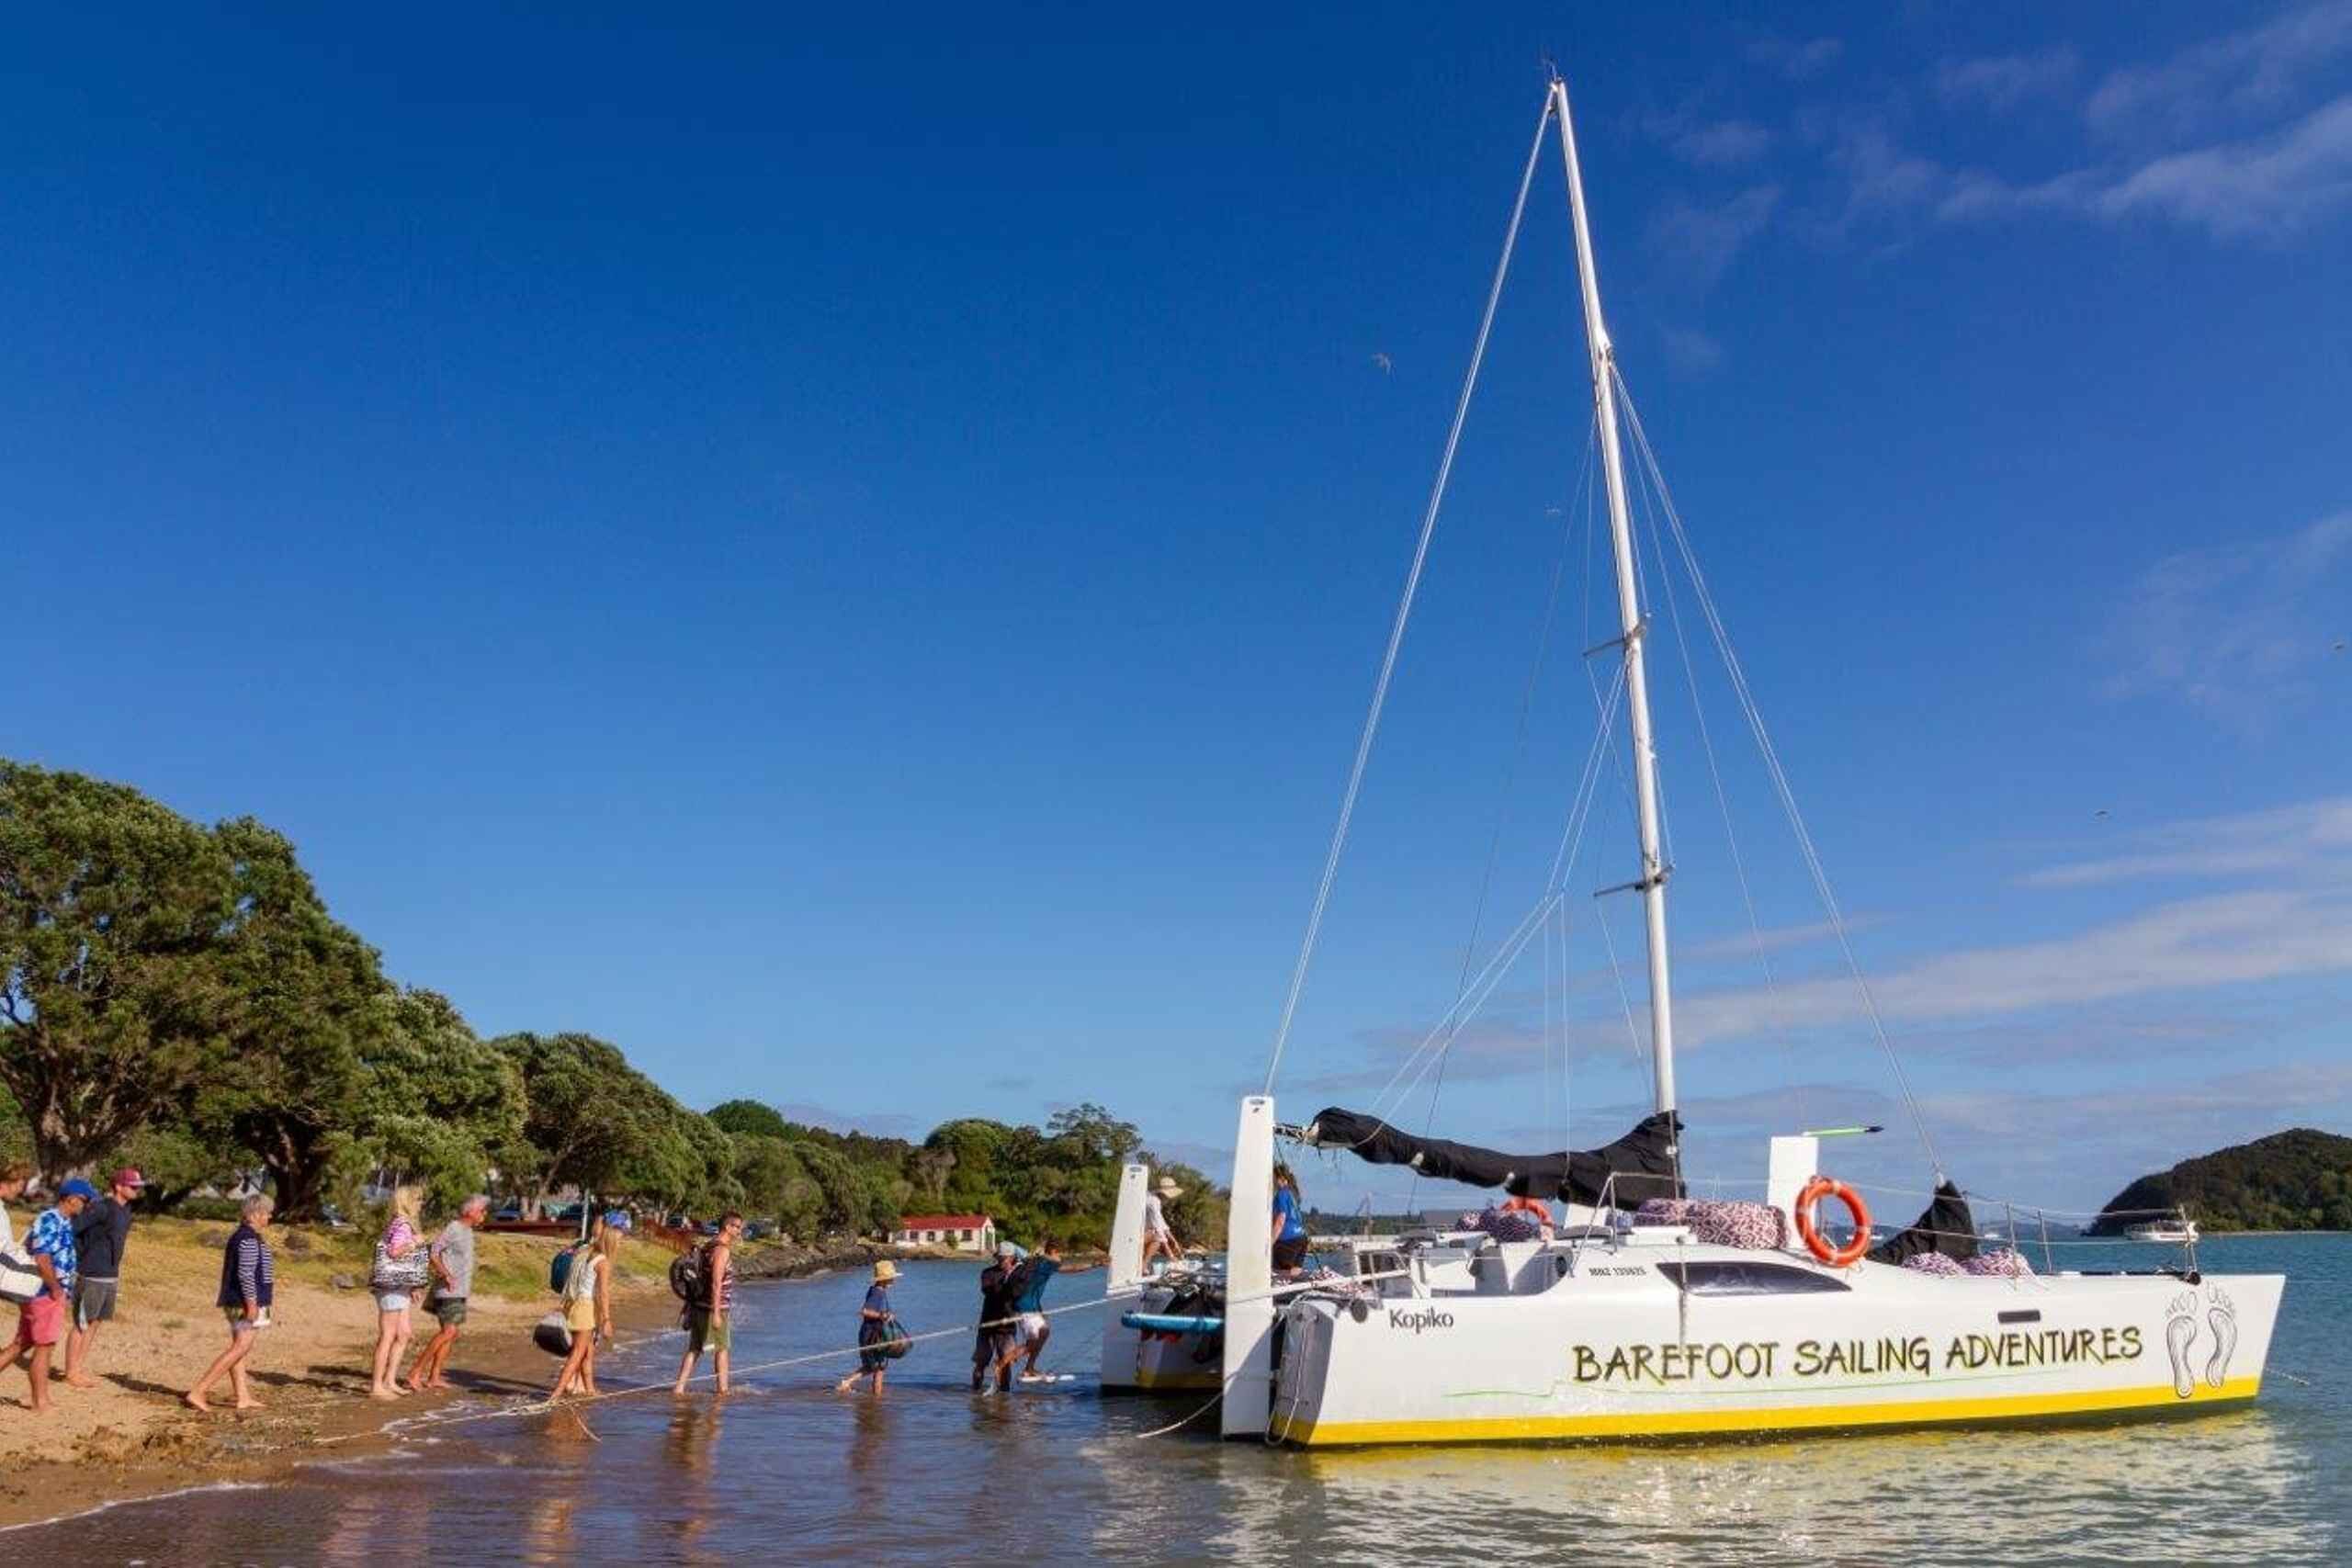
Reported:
(1290, 1225)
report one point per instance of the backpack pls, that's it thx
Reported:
(690, 1277)
(560, 1267)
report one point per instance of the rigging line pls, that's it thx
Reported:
(1723, 797)
(1502, 795)
(1641, 1047)
(1404, 609)
(1484, 983)
(1780, 779)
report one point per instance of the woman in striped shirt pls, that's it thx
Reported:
(248, 1281)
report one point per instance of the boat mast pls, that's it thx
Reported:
(1652, 883)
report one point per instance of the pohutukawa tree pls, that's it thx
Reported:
(113, 914)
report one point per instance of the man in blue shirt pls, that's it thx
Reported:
(41, 1323)
(100, 1233)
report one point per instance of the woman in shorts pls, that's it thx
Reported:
(588, 1311)
(401, 1237)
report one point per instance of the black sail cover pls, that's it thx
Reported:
(1643, 1160)
(1945, 1226)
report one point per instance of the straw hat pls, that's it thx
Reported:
(1167, 1188)
(885, 1272)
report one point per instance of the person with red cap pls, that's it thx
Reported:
(100, 1233)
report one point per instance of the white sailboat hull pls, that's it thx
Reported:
(1616, 1351)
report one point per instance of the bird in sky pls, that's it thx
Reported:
(1387, 365)
(2100, 814)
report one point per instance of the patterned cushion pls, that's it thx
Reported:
(2004, 1264)
(1758, 1227)
(1935, 1263)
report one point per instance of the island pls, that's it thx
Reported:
(2299, 1179)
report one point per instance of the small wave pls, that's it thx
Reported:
(137, 1502)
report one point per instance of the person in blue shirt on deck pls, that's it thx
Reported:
(1290, 1223)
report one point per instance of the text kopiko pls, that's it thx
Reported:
(1754, 1359)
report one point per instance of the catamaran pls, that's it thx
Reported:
(1646, 1315)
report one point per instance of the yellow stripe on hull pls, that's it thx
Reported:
(1762, 1418)
(1157, 1382)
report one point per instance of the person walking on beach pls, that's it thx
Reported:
(452, 1260)
(1290, 1225)
(398, 1272)
(588, 1311)
(1158, 1241)
(1035, 1329)
(248, 1285)
(14, 1179)
(995, 1348)
(710, 1318)
(873, 1321)
(41, 1323)
(99, 1236)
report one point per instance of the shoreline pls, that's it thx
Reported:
(132, 1439)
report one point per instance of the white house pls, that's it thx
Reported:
(965, 1233)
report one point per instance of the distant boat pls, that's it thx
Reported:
(2177, 1232)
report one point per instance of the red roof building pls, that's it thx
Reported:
(965, 1233)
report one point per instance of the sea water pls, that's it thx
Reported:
(785, 1470)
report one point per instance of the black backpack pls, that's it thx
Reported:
(690, 1275)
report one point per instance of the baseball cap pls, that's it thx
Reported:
(77, 1188)
(127, 1176)
(616, 1220)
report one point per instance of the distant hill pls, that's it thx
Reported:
(2297, 1180)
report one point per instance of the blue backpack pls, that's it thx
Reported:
(560, 1268)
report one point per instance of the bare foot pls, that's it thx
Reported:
(195, 1402)
(381, 1394)
(81, 1382)
(247, 1404)
(440, 1382)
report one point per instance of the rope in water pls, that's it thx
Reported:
(549, 1406)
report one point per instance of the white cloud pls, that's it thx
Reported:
(2268, 186)
(1691, 351)
(2292, 842)
(1773, 939)
(2241, 632)
(2253, 72)
(2186, 946)
(1712, 143)
(1706, 240)
(2002, 81)
(1797, 61)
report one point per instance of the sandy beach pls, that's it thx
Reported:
(132, 1436)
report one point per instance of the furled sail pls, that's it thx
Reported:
(1643, 1160)
(1945, 1226)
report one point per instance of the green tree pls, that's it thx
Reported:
(586, 1121)
(440, 1105)
(113, 911)
(749, 1118)
(306, 1010)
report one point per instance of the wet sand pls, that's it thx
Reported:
(132, 1436)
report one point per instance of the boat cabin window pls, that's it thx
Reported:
(1746, 1277)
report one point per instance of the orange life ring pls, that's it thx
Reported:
(1822, 1187)
(1535, 1208)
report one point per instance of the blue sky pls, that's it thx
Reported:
(847, 557)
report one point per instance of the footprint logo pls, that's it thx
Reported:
(2223, 1316)
(2180, 1331)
